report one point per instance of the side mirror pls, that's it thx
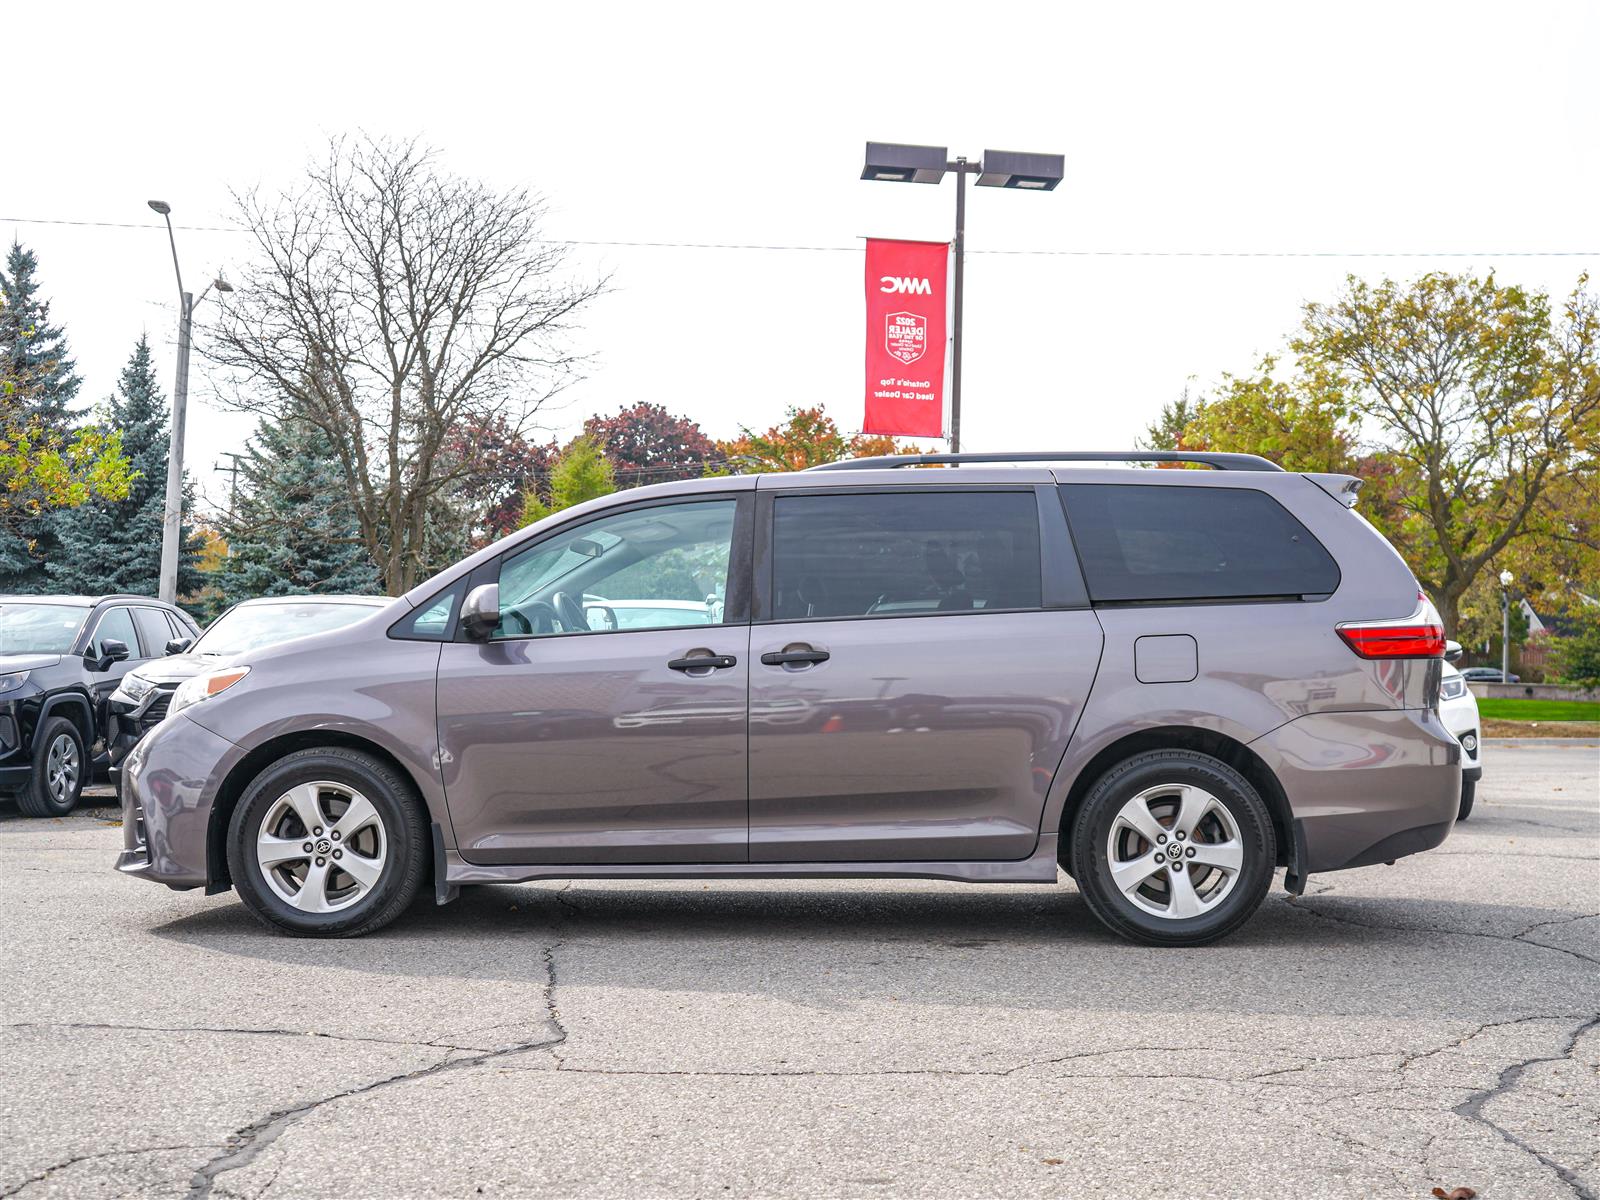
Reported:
(1452, 651)
(179, 645)
(480, 611)
(600, 617)
(111, 651)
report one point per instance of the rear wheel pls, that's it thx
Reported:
(328, 843)
(1173, 848)
(1469, 793)
(59, 765)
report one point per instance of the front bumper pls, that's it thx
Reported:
(128, 720)
(167, 786)
(15, 778)
(1366, 787)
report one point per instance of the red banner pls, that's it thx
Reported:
(905, 337)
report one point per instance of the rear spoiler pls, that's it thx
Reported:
(1342, 488)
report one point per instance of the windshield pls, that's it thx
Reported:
(40, 628)
(252, 626)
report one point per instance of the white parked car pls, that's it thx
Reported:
(1458, 709)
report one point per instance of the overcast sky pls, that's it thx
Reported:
(1315, 128)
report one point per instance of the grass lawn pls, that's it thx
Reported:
(1539, 710)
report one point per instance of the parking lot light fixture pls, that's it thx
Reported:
(891, 162)
(895, 162)
(1030, 172)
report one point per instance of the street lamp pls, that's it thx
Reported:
(1506, 579)
(172, 516)
(890, 162)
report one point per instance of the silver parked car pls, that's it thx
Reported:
(1167, 683)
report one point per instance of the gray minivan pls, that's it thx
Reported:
(1166, 683)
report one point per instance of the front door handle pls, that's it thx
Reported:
(702, 661)
(783, 658)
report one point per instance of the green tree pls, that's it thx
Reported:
(1304, 426)
(581, 473)
(33, 348)
(1576, 657)
(114, 545)
(1166, 432)
(44, 464)
(292, 530)
(1479, 405)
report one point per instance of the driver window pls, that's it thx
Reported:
(116, 625)
(660, 567)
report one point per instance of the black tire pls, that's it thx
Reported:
(405, 832)
(38, 799)
(1092, 830)
(1469, 793)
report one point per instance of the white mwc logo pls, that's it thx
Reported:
(901, 283)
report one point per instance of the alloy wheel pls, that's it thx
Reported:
(61, 767)
(1174, 851)
(321, 846)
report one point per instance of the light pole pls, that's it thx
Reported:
(172, 516)
(1506, 578)
(892, 162)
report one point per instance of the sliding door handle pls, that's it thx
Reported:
(697, 662)
(784, 658)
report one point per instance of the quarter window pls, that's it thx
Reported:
(1146, 542)
(430, 620)
(658, 567)
(887, 554)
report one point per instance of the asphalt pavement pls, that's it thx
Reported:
(1434, 1023)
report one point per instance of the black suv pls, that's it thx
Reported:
(61, 657)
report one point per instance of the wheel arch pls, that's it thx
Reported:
(1203, 741)
(245, 771)
(74, 706)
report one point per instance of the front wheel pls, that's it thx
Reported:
(59, 763)
(1469, 793)
(1173, 848)
(328, 843)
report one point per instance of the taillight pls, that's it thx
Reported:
(1421, 635)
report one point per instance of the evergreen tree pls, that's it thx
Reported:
(115, 545)
(581, 473)
(35, 351)
(293, 532)
(31, 346)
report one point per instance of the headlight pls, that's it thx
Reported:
(1453, 688)
(135, 686)
(203, 687)
(11, 682)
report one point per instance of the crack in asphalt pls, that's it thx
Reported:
(41, 1176)
(1298, 903)
(118, 1027)
(245, 1145)
(1472, 1107)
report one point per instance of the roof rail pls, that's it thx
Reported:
(1222, 462)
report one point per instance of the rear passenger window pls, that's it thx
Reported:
(1151, 542)
(154, 631)
(890, 554)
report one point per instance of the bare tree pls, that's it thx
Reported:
(399, 308)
